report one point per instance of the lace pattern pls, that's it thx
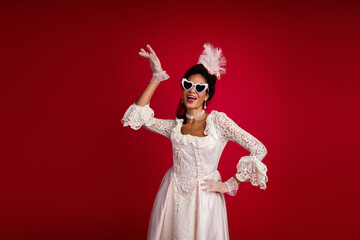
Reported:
(180, 216)
(181, 213)
(158, 77)
(143, 116)
(189, 168)
(181, 209)
(250, 168)
(199, 142)
(185, 168)
(232, 186)
(218, 127)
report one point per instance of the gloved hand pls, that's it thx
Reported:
(230, 186)
(158, 74)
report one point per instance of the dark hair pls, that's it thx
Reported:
(210, 80)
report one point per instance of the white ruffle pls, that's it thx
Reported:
(250, 169)
(200, 142)
(158, 77)
(136, 116)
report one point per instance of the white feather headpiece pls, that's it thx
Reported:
(213, 60)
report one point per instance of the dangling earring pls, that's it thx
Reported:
(205, 104)
(182, 101)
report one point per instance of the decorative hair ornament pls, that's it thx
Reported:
(213, 60)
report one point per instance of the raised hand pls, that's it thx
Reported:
(158, 74)
(153, 59)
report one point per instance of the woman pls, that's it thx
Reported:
(190, 202)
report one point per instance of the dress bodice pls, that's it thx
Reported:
(195, 157)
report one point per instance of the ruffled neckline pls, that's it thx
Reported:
(210, 138)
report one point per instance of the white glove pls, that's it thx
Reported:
(158, 74)
(230, 186)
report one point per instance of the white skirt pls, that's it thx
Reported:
(198, 215)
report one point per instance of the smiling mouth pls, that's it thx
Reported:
(191, 98)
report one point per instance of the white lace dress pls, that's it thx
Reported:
(182, 210)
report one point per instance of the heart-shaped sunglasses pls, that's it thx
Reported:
(199, 87)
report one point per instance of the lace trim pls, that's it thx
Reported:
(199, 163)
(136, 116)
(200, 142)
(158, 77)
(250, 169)
(232, 186)
(181, 212)
(180, 215)
(185, 169)
(188, 168)
(184, 222)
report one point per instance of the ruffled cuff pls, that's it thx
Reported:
(232, 186)
(158, 77)
(136, 116)
(250, 169)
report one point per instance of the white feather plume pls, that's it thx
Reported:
(213, 60)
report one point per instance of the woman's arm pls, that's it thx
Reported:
(146, 96)
(158, 76)
(249, 168)
(140, 114)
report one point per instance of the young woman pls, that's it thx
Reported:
(190, 202)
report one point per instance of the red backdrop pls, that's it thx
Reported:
(69, 71)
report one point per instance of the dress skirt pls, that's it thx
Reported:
(198, 215)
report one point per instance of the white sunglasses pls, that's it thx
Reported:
(199, 87)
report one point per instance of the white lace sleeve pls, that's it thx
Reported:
(250, 168)
(137, 116)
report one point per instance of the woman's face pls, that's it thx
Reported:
(200, 97)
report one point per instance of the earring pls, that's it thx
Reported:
(205, 104)
(182, 101)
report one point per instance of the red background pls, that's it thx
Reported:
(69, 71)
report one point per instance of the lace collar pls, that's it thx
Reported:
(185, 139)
